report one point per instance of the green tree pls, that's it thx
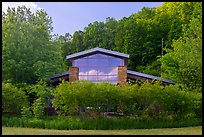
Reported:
(184, 63)
(111, 25)
(119, 40)
(94, 34)
(28, 52)
(77, 41)
(67, 48)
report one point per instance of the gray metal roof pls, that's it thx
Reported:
(59, 75)
(100, 50)
(149, 76)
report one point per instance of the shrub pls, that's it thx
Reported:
(106, 97)
(42, 98)
(13, 99)
(197, 103)
(69, 98)
(38, 108)
(156, 101)
(65, 101)
(26, 112)
(177, 102)
(152, 101)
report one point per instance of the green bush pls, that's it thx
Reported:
(143, 106)
(106, 97)
(197, 103)
(13, 99)
(151, 101)
(156, 101)
(70, 97)
(65, 101)
(38, 108)
(26, 112)
(42, 92)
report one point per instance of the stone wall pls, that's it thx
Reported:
(73, 74)
(122, 75)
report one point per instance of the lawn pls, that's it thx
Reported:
(165, 131)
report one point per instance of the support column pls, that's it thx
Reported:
(73, 74)
(122, 75)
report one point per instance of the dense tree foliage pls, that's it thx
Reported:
(28, 51)
(13, 99)
(184, 63)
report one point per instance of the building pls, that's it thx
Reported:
(102, 65)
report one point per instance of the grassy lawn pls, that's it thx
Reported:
(165, 131)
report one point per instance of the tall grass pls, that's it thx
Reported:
(98, 123)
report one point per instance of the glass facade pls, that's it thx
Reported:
(98, 68)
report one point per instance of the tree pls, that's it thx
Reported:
(184, 63)
(77, 42)
(66, 45)
(28, 52)
(119, 40)
(111, 25)
(94, 34)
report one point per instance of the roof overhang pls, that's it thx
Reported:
(59, 75)
(149, 76)
(86, 52)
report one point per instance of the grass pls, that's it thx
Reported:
(165, 131)
(100, 123)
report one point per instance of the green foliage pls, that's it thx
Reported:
(13, 99)
(153, 69)
(197, 103)
(42, 92)
(100, 123)
(38, 107)
(69, 98)
(28, 51)
(152, 101)
(40, 89)
(184, 63)
(64, 98)
(26, 112)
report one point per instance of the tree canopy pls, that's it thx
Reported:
(28, 51)
(184, 63)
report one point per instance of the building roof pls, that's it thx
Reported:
(59, 75)
(98, 50)
(149, 76)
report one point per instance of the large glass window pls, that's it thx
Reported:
(98, 68)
